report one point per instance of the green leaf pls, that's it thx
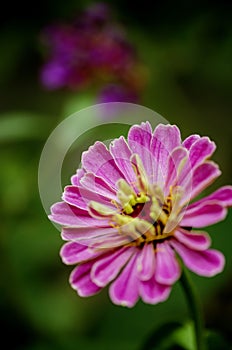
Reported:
(185, 336)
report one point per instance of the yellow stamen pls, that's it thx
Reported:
(140, 173)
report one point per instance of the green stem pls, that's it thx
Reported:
(195, 309)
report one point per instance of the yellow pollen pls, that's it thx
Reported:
(142, 213)
(130, 221)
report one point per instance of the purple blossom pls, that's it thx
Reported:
(117, 93)
(128, 215)
(54, 76)
(92, 50)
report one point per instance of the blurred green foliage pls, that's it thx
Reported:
(187, 51)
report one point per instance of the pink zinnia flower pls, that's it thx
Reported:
(128, 215)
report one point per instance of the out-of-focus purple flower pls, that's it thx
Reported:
(91, 51)
(54, 76)
(117, 93)
(128, 215)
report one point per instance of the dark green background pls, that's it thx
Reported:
(187, 50)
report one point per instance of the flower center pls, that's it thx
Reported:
(143, 213)
(144, 216)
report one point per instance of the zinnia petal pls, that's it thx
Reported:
(124, 290)
(98, 185)
(204, 263)
(164, 140)
(146, 262)
(99, 161)
(201, 150)
(80, 197)
(139, 139)
(194, 239)
(75, 253)
(167, 268)
(80, 280)
(122, 154)
(153, 292)
(189, 141)
(75, 179)
(178, 161)
(222, 196)
(203, 215)
(108, 267)
(202, 176)
(87, 233)
(67, 215)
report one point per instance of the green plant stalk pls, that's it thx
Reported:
(195, 309)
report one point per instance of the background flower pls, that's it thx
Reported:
(92, 50)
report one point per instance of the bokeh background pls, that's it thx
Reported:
(179, 65)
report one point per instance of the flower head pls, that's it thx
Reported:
(92, 50)
(129, 214)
